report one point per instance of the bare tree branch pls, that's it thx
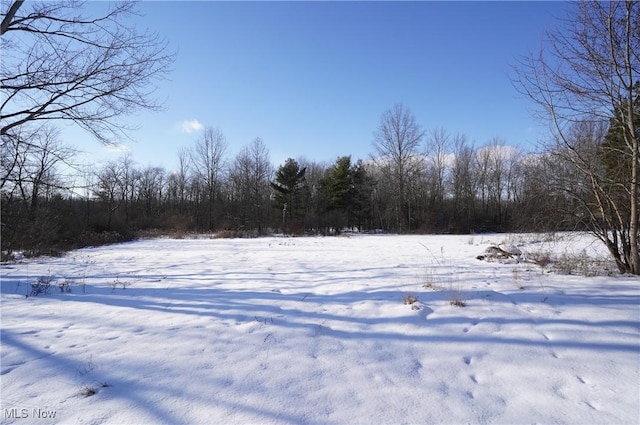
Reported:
(6, 21)
(62, 66)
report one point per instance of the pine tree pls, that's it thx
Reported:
(360, 206)
(290, 190)
(346, 193)
(336, 190)
(339, 185)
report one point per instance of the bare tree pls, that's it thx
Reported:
(129, 183)
(463, 183)
(180, 179)
(60, 65)
(250, 175)
(29, 169)
(150, 190)
(497, 183)
(109, 189)
(590, 75)
(207, 158)
(31, 178)
(397, 143)
(437, 150)
(482, 166)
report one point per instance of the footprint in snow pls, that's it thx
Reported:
(10, 368)
(473, 323)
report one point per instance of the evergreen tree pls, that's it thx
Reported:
(346, 192)
(360, 206)
(336, 188)
(338, 181)
(290, 190)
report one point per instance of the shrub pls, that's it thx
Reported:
(429, 279)
(540, 258)
(42, 286)
(226, 234)
(456, 297)
(410, 299)
(457, 302)
(65, 286)
(582, 264)
(117, 281)
(88, 391)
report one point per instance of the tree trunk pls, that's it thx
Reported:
(634, 262)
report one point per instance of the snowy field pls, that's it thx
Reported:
(319, 331)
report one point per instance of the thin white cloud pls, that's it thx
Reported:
(117, 148)
(190, 126)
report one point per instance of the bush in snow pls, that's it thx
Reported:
(411, 300)
(65, 286)
(119, 282)
(42, 286)
(456, 296)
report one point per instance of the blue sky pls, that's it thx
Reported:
(312, 78)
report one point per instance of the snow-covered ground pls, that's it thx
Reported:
(316, 331)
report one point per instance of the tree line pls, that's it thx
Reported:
(436, 183)
(60, 66)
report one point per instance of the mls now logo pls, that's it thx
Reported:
(27, 413)
(16, 413)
